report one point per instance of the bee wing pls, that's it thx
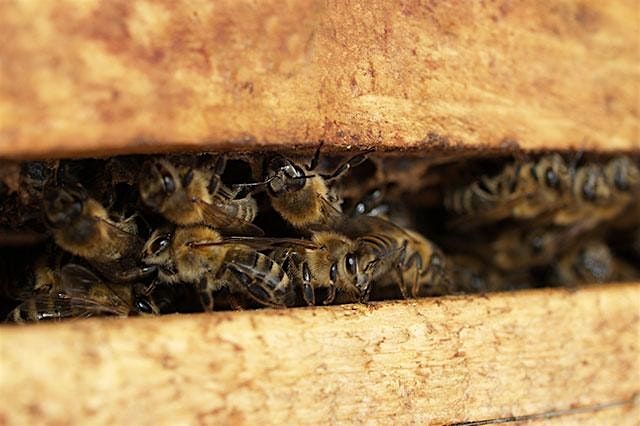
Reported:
(83, 303)
(331, 214)
(77, 281)
(130, 239)
(63, 305)
(258, 242)
(216, 214)
(73, 276)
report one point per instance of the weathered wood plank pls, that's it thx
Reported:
(427, 361)
(80, 77)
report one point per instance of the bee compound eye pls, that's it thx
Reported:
(619, 179)
(143, 306)
(306, 273)
(160, 244)
(551, 178)
(351, 263)
(360, 208)
(292, 171)
(169, 183)
(333, 272)
(589, 189)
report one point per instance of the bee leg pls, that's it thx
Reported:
(400, 268)
(308, 293)
(415, 260)
(308, 289)
(205, 292)
(401, 282)
(331, 295)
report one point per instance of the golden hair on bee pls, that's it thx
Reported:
(333, 263)
(304, 197)
(520, 190)
(82, 226)
(200, 256)
(77, 292)
(191, 196)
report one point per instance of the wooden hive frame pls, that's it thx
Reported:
(90, 78)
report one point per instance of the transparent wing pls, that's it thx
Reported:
(258, 242)
(222, 216)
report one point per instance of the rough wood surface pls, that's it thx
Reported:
(556, 356)
(80, 77)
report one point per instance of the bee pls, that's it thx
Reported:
(192, 196)
(522, 248)
(472, 274)
(592, 262)
(397, 255)
(304, 199)
(331, 261)
(21, 189)
(520, 191)
(623, 175)
(83, 227)
(200, 256)
(374, 203)
(76, 292)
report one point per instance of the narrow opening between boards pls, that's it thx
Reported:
(157, 234)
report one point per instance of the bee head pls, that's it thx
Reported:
(591, 185)
(552, 172)
(622, 174)
(158, 181)
(284, 176)
(157, 251)
(63, 205)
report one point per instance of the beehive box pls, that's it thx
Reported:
(93, 78)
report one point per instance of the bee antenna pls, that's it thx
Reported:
(254, 184)
(316, 157)
(576, 159)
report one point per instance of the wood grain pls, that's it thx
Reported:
(428, 361)
(87, 77)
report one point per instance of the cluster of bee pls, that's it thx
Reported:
(551, 221)
(152, 235)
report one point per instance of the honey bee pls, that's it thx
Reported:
(474, 275)
(83, 227)
(190, 196)
(600, 194)
(331, 261)
(521, 191)
(374, 204)
(304, 199)
(592, 262)
(396, 255)
(200, 256)
(522, 248)
(76, 292)
(623, 175)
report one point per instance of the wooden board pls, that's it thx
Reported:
(83, 77)
(547, 356)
